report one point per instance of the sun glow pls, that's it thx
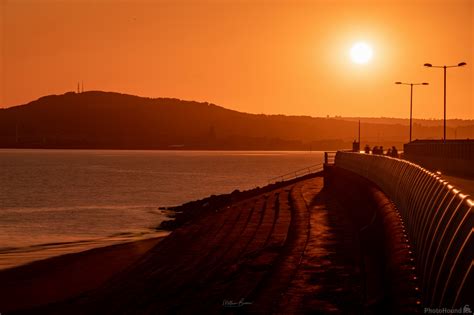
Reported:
(361, 53)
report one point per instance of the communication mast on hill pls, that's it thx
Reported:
(80, 87)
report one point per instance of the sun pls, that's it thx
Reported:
(361, 53)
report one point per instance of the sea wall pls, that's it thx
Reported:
(455, 157)
(439, 222)
(389, 281)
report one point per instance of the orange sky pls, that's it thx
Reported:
(287, 57)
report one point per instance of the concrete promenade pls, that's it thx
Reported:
(296, 248)
(288, 251)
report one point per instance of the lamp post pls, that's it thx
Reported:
(444, 67)
(411, 100)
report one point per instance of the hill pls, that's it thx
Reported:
(108, 120)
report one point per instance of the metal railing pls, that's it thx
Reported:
(298, 173)
(329, 157)
(439, 220)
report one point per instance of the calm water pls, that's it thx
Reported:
(57, 201)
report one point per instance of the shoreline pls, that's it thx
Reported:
(61, 277)
(189, 211)
(14, 257)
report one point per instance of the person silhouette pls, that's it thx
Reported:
(394, 152)
(367, 149)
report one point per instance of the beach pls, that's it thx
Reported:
(61, 277)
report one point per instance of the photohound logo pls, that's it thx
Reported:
(462, 310)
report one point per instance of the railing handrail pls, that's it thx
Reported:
(306, 170)
(439, 221)
(329, 155)
(300, 172)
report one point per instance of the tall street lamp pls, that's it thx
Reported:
(411, 100)
(445, 67)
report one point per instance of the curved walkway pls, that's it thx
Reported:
(287, 251)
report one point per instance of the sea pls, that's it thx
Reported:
(54, 202)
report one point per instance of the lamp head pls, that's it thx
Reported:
(428, 65)
(398, 82)
(425, 83)
(461, 64)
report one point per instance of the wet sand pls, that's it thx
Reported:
(61, 277)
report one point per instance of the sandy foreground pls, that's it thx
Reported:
(61, 277)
